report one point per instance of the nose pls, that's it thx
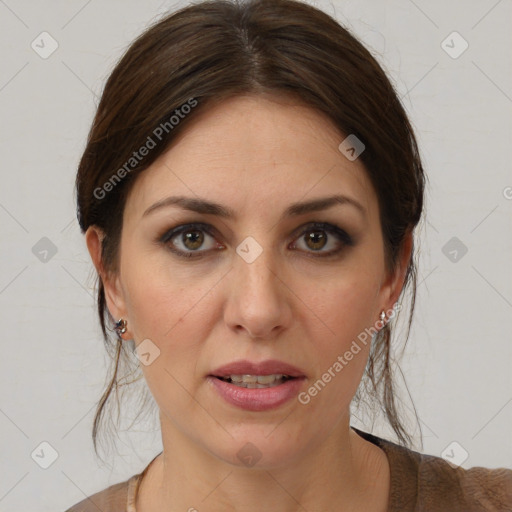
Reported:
(258, 302)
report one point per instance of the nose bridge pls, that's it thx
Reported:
(255, 262)
(257, 301)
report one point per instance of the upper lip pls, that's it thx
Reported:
(267, 367)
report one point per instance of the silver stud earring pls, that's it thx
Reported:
(120, 326)
(383, 317)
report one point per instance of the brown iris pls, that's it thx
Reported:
(316, 240)
(193, 239)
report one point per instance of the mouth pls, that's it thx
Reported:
(256, 381)
(257, 386)
(268, 372)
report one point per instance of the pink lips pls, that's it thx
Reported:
(254, 399)
(268, 367)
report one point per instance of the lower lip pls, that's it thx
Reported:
(257, 399)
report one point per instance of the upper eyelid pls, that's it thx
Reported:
(211, 230)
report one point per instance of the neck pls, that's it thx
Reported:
(344, 473)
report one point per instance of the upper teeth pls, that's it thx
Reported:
(253, 379)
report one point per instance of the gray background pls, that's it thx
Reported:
(458, 361)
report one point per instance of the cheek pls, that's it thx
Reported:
(341, 315)
(176, 308)
(176, 313)
(343, 308)
(161, 296)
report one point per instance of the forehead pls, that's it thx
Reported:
(254, 153)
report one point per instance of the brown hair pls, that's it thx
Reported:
(217, 49)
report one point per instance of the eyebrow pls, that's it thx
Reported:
(199, 205)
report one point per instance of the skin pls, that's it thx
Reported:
(255, 154)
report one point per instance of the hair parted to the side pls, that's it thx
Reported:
(217, 49)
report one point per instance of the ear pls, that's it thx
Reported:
(394, 283)
(111, 283)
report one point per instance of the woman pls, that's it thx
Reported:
(249, 194)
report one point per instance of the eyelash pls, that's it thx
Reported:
(332, 229)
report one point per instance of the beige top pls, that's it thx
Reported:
(419, 483)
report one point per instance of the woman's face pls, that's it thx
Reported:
(259, 283)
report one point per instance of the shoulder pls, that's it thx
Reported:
(426, 482)
(112, 499)
(474, 489)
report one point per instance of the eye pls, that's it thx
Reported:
(191, 240)
(320, 235)
(188, 239)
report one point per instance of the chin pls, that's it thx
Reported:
(258, 447)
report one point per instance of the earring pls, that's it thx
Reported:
(120, 326)
(383, 317)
